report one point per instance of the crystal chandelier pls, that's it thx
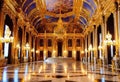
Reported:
(7, 38)
(27, 46)
(109, 40)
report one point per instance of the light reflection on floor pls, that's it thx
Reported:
(57, 72)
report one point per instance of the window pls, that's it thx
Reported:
(41, 42)
(49, 42)
(78, 42)
(69, 42)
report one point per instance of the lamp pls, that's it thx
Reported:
(7, 38)
(109, 40)
(37, 51)
(18, 46)
(27, 46)
(32, 50)
(90, 48)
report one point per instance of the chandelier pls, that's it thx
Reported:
(109, 40)
(27, 46)
(7, 38)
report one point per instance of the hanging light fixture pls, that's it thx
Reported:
(109, 40)
(27, 46)
(7, 38)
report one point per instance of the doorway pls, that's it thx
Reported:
(59, 43)
(78, 56)
(7, 47)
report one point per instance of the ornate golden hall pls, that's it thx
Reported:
(59, 40)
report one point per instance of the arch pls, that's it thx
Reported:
(99, 39)
(7, 47)
(20, 32)
(110, 28)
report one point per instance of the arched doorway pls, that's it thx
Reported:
(92, 51)
(59, 47)
(99, 40)
(110, 48)
(41, 55)
(27, 51)
(19, 52)
(7, 47)
(49, 54)
(78, 55)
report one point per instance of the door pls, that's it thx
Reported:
(59, 48)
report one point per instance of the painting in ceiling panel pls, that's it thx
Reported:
(59, 6)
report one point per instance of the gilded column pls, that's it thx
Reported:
(116, 28)
(89, 40)
(86, 47)
(104, 31)
(15, 42)
(118, 21)
(23, 43)
(1, 32)
(54, 50)
(73, 45)
(34, 48)
(95, 40)
(30, 42)
(45, 46)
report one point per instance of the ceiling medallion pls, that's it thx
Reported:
(59, 31)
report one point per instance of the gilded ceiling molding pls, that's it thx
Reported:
(33, 19)
(41, 6)
(33, 12)
(77, 6)
(24, 3)
(58, 15)
(90, 5)
(37, 21)
(29, 6)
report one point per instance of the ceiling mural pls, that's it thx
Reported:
(45, 15)
(59, 6)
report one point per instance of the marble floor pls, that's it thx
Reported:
(57, 72)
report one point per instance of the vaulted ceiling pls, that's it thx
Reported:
(45, 14)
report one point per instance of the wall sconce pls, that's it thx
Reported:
(18, 46)
(7, 38)
(82, 52)
(27, 46)
(109, 40)
(65, 51)
(74, 52)
(86, 50)
(37, 51)
(32, 50)
(90, 47)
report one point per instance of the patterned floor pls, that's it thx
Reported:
(57, 72)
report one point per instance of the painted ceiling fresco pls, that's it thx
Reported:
(47, 22)
(59, 6)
